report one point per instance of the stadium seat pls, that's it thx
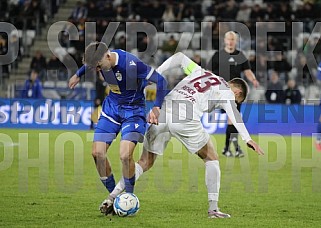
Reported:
(186, 40)
(256, 94)
(291, 56)
(189, 53)
(302, 90)
(50, 94)
(49, 84)
(161, 36)
(88, 86)
(300, 37)
(196, 41)
(28, 37)
(62, 84)
(312, 94)
(63, 89)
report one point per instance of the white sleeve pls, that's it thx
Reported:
(178, 60)
(234, 115)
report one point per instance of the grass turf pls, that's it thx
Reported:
(48, 178)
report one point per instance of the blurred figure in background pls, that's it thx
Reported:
(274, 93)
(292, 93)
(39, 63)
(32, 87)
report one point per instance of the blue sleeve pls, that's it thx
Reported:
(162, 91)
(81, 71)
(142, 69)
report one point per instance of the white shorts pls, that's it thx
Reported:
(191, 133)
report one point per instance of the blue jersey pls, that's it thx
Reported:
(123, 110)
(127, 79)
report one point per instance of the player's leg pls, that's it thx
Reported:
(226, 151)
(212, 179)
(145, 162)
(234, 138)
(128, 164)
(156, 139)
(133, 130)
(102, 164)
(197, 141)
(105, 133)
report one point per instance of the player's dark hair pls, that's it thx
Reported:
(94, 53)
(241, 84)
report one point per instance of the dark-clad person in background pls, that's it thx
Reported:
(274, 93)
(292, 93)
(229, 63)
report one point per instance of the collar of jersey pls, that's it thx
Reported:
(117, 58)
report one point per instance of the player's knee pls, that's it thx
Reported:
(97, 154)
(126, 157)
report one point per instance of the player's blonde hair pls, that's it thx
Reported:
(94, 52)
(242, 85)
(231, 33)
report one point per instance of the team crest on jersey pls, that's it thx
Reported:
(119, 76)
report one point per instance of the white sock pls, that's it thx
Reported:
(212, 180)
(120, 186)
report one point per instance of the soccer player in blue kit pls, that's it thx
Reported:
(123, 110)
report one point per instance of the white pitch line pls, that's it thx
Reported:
(10, 144)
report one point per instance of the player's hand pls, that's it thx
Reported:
(254, 146)
(73, 81)
(153, 115)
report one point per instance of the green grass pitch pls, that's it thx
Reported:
(48, 179)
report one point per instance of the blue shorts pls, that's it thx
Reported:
(129, 120)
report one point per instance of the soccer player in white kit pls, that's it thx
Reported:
(200, 91)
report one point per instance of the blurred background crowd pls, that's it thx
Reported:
(289, 76)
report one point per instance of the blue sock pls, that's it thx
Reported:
(319, 131)
(129, 184)
(108, 182)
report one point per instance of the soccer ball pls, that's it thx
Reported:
(126, 204)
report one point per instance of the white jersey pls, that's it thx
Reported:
(201, 91)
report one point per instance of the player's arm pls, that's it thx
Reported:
(179, 60)
(74, 80)
(236, 119)
(161, 91)
(161, 87)
(246, 68)
(251, 77)
(146, 72)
